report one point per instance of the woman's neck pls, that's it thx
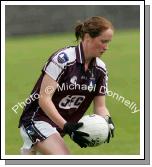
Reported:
(87, 55)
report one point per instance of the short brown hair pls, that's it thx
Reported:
(94, 26)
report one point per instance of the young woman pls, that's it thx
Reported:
(71, 79)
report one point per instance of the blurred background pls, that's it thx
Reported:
(22, 20)
(33, 33)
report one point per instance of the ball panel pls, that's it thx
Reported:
(97, 128)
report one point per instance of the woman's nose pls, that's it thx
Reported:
(105, 47)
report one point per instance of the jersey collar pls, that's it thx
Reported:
(80, 55)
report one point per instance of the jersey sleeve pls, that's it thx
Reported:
(102, 85)
(56, 66)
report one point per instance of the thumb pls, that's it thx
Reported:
(78, 125)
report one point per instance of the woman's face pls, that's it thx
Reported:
(99, 44)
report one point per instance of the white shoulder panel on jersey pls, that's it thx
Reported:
(102, 67)
(59, 62)
(100, 63)
(71, 54)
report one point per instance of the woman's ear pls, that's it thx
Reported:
(87, 36)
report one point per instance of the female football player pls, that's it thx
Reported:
(71, 79)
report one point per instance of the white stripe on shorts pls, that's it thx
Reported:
(45, 129)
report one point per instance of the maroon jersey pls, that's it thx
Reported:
(76, 87)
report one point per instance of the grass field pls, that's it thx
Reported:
(25, 57)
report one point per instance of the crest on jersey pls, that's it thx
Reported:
(92, 81)
(73, 80)
(62, 58)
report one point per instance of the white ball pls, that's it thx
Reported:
(97, 128)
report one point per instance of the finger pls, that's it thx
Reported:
(112, 133)
(82, 139)
(82, 133)
(81, 143)
(108, 140)
(85, 141)
(78, 125)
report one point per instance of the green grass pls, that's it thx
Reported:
(25, 56)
